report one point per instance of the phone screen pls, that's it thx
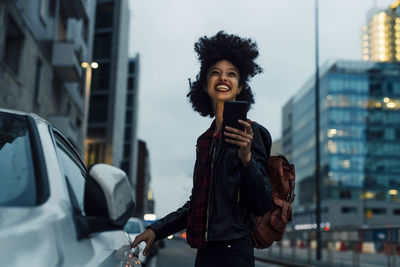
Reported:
(233, 111)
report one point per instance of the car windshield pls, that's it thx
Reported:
(17, 182)
(132, 227)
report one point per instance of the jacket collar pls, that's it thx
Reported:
(209, 132)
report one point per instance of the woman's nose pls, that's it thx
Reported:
(223, 77)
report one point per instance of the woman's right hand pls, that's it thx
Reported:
(147, 236)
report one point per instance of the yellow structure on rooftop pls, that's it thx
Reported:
(381, 37)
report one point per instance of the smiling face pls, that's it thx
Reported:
(223, 82)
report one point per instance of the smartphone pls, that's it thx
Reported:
(233, 111)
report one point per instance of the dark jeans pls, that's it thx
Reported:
(232, 253)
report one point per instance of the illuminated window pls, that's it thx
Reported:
(96, 152)
(345, 164)
(331, 132)
(332, 147)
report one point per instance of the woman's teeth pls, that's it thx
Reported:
(222, 88)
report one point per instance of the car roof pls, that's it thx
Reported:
(23, 113)
(38, 118)
(134, 219)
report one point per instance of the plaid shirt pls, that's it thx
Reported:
(197, 216)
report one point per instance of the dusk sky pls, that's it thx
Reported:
(163, 33)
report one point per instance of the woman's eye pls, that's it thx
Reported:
(214, 72)
(232, 74)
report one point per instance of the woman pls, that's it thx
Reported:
(230, 186)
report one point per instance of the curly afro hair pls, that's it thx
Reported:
(239, 51)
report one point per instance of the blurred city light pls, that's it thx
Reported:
(395, 4)
(391, 105)
(368, 195)
(393, 192)
(94, 65)
(149, 217)
(84, 64)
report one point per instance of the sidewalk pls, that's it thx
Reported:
(301, 257)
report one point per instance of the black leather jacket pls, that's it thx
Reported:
(237, 193)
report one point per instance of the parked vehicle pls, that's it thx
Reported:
(53, 210)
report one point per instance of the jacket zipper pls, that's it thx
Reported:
(209, 191)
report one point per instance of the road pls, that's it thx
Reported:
(329, 258)
(178, 254)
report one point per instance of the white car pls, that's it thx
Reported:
(53, 211)
(134, 227)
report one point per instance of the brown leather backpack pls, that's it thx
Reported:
(271, 226)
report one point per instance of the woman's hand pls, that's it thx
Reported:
(242, 139)
(147, 236)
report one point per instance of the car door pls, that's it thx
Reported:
(109, 248)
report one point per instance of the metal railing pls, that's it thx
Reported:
(355, 246)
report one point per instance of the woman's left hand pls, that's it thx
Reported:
(242, 139)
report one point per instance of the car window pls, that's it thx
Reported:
(73, 169)
(132, 227)
(17, 176)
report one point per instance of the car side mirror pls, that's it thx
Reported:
(108, 194)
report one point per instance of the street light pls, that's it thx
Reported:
(317, 140)
(88, 80)
(93, 65)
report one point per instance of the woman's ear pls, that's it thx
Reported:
(205, 88)
(239, 89)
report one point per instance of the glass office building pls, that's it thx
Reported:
(359, 133)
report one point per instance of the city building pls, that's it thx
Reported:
(107, 106)
(130, 154)
(144, 196)
(381, 35)
(359, 144)
(276, 147)
(286, 138)
(42, 45)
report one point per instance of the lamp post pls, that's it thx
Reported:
(88, 81)
(317, 154)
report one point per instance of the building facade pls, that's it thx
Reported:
(144, 196)
(107, 106)
(42, 44)
(276, 147)
(381, 35)
(360, 142)
(287, 133)
(130, 154)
